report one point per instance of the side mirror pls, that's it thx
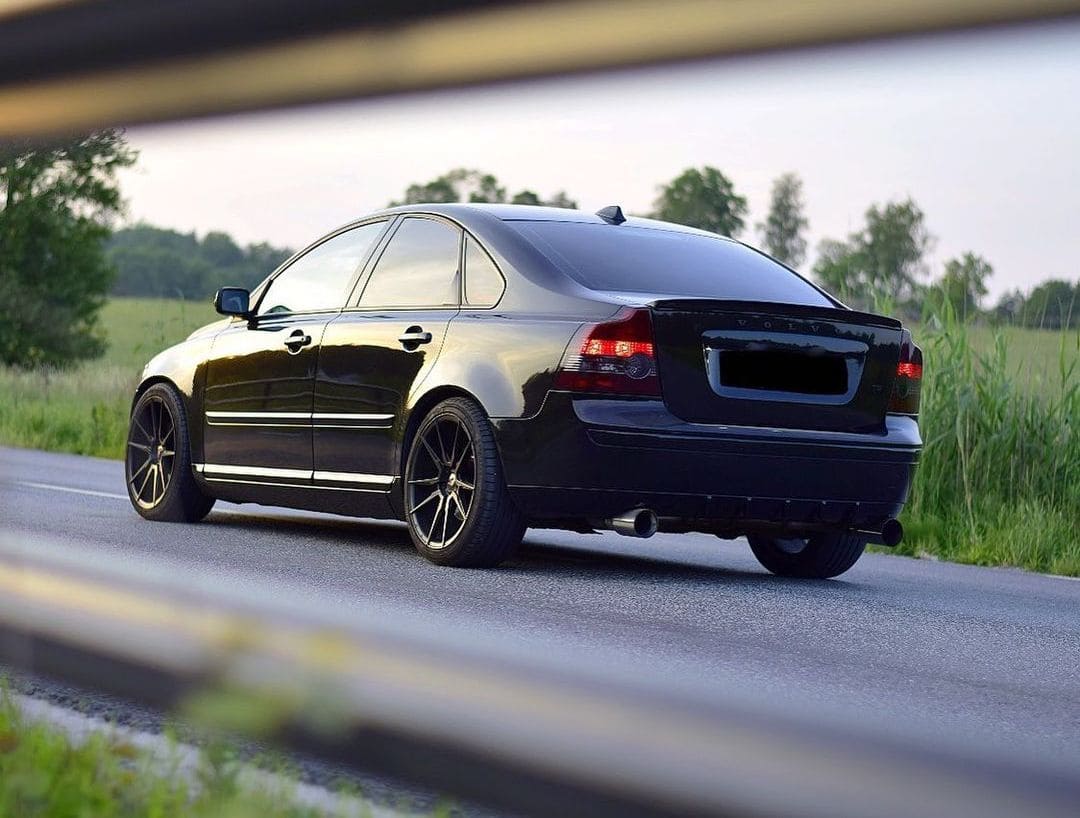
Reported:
(233, 301)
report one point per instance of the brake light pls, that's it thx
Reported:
(907, 387)
(616, 357)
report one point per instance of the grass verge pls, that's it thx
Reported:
(999, 481)
(44, 774)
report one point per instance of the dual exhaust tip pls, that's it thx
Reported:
(642, 523)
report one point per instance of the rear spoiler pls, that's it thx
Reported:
(773, 308)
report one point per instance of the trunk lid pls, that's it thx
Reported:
(775, 365)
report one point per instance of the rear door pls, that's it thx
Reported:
(261, 374)
(380, 348)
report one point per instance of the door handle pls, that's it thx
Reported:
(297, 339)
(413, 337)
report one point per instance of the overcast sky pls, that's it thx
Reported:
(983, 132)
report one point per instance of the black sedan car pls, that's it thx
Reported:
(479, 369)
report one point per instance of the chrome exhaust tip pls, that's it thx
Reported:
(638, 522)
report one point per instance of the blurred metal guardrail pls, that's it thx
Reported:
(76, 64)
(498, 731)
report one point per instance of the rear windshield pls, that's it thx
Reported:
(634, 259)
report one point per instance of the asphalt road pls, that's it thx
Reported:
(941, 654)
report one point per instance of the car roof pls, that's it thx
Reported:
(466, 212)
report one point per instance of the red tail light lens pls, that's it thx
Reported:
(907, 387)
(616, 357)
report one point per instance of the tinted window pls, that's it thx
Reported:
(317, 280)
(418, 269)
(483, 283)
(635, 259)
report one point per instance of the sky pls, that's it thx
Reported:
(982, 131)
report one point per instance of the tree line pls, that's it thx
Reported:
(60, 256)
(163, 263)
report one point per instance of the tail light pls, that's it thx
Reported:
(616, 357)
(908, 384)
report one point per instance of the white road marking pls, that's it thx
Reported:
(90, 492)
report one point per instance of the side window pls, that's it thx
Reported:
(419, 268)
(484, 284)
(317, 280)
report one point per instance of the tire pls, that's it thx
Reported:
(820, 556)
(160, 482)
(480, 526)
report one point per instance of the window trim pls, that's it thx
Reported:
(464, 275)
(353, 303)
(264, 287)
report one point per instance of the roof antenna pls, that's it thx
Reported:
(612, 214)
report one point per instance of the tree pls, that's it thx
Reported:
(1010, 307)
(703, 198)
(458, 185)
(526, 197)
(220, 250)
(461, 185)
(562, 199)
(58, 202)
(962, 286)
(884, 260)
(153, 261)
(1053, 304)
(782, 231)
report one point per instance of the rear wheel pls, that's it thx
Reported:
(157, 463)
(457, 505)
(819, 556)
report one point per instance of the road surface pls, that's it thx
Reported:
(949, 655)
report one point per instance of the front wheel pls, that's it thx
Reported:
(819, 556)
(158, 460)
(457, 505)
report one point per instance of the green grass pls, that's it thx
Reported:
(85, 409)
(999, 482)
(43, 774)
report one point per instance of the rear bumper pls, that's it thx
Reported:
(595, 458)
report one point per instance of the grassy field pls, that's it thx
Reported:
(999, 482)
(85, 410)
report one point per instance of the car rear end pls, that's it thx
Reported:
(730, 415)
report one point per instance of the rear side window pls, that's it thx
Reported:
(634, 259)
(484, 283)
(419, 268)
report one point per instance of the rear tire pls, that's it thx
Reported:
(157, 463)
(820, 556)
(458, 508)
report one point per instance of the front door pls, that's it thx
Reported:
(380, 349)
(258, 397)
(261, 374)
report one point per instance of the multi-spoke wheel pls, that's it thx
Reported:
(819, 556)
(151, 452)
(456, 502)
(158, 464)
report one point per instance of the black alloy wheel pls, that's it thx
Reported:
(151, 452)
(457, 505)
(157, 463)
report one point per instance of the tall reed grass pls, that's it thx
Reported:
(999, 481)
